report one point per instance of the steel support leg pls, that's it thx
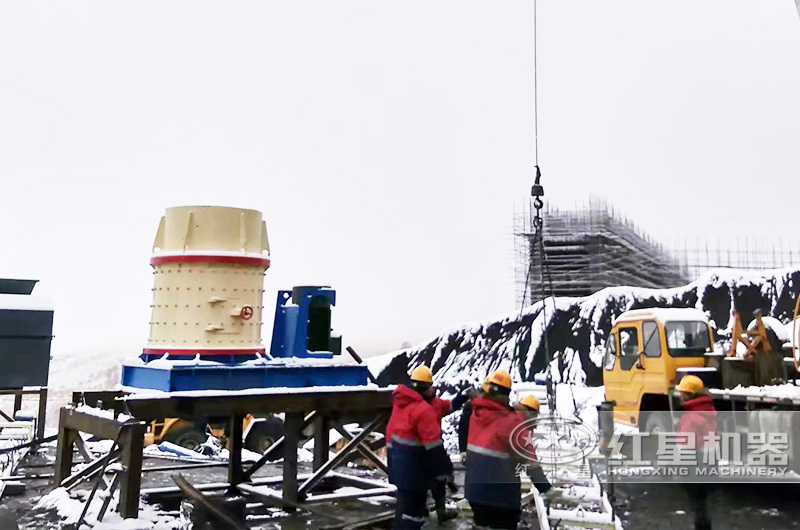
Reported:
(235, 432)
(292, 428)
(42, 413)
(66, 439)
(321, 441)
(131, 441)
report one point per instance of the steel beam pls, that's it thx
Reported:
(226, 404)
(274, 448)
(340, 456)
(363, 449)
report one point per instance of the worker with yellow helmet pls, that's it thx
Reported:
(492, 485)
(422, 380)
(529, 406)
(699, 422)
(415, 449)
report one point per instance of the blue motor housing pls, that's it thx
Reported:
(301, 355)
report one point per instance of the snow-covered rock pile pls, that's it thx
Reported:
(578, 327)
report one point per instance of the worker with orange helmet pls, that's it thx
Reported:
(442, 407)
(492, 485)
(463, 421)
(699, 421)
(415, 449)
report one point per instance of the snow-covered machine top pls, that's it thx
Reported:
(26, 329)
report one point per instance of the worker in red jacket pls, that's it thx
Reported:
(442, 408)
(700, 420)
(416, 452)
(492, 484)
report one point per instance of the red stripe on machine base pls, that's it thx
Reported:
(194, 258)
(193, 352)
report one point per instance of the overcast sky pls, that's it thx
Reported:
(386, 142)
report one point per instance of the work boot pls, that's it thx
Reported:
(445, 514)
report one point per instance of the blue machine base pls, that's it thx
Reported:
(241, 377)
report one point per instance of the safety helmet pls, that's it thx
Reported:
(691, 384)
(500, 378)
(422, 374)
(485, 385)
(530, 401)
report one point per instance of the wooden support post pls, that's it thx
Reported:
(17, 404)
(292, 427)
(131, 441)
(322, 441)
(235, 433)
(42, 413)
(66, 439)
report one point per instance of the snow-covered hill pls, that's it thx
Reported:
(577, 329)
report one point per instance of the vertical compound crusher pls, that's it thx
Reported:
(205, 331)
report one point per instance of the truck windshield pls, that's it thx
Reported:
(687, 339)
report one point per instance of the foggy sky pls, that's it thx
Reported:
(387, 143)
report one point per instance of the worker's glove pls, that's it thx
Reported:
(539, 479)
(458, 401)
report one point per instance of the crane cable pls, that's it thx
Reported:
(537, 229)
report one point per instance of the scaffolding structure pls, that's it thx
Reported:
(587, 250)
(593, 247)
(696, 256)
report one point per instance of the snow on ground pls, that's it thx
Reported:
(69, 511)
(784, 391)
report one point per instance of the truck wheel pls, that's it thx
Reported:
(263, 434)
(187, 436)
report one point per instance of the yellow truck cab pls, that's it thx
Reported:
(644, 354)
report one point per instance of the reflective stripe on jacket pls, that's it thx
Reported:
(492, 477)
(414, 438)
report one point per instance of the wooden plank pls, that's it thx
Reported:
(80, 421)
(361, 494)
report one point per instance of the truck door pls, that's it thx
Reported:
(622, 379)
